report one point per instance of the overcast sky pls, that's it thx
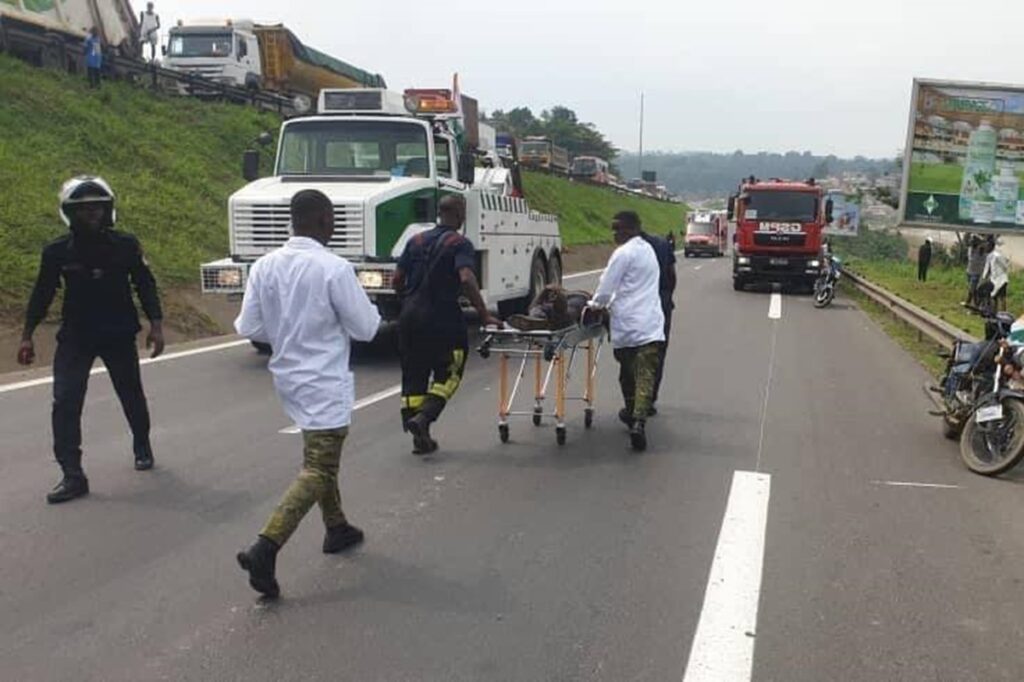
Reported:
(718, 75)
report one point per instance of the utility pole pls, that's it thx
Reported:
(640, 173)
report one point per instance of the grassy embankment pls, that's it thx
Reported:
(883, 259)
(585, 212)
(173, 162)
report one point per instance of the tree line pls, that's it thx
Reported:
(558, 123)
(701, 175)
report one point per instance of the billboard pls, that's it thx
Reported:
(845, 214)
(964, 157)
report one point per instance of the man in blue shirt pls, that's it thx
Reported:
(666, 288)
(436, 268)
(93, 57)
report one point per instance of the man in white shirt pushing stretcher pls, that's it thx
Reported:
(629, 288)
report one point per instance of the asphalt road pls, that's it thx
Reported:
(530, 561)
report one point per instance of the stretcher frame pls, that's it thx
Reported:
(542, 347)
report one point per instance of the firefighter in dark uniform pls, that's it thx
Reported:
(436, 267)
(665, 251)
(97, 267)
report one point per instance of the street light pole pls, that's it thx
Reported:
(640, 174)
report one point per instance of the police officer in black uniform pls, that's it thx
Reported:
(97, 267)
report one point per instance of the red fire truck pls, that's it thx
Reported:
(779, 225)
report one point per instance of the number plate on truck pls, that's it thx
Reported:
(989, 413)
(778, 261)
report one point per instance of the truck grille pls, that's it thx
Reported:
(260, 228)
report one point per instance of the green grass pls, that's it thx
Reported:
(938, 178)
(172, 162)
(923, 349)
(585, 212)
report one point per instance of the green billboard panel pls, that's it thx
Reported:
(964, 159)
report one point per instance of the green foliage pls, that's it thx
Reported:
(585, 211)
(871, 245)
(172, 161)
(561, 125)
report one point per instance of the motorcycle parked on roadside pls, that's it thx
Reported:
(825, 285)
(992, 441)
(970, 368)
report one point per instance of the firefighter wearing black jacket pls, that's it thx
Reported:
(97, 267)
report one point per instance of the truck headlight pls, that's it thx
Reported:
(229, 278)
(371, 279)
(814, 264)
(743, 260)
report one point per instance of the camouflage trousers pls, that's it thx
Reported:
(638, 372)
(317, 483)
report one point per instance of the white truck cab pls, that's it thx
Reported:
(223, 51)
(385, 159)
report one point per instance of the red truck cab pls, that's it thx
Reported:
(779, 225)
(707, 233)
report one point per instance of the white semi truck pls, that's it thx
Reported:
(385, 159)
(51, 33)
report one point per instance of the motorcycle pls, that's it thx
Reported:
(992, 441)
(970, 368)
(825, 285)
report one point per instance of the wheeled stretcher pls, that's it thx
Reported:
(553, 355)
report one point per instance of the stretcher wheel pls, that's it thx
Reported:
(549, 353)
(560, 435)
(537, 416)
(503, 432)
(588, 418)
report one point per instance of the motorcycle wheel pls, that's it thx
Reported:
(824, 295)
(996, 447)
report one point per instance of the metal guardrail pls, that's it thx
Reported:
(924, 322)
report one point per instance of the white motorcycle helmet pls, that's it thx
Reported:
(87, 189)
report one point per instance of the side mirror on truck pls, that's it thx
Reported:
(467, 168)
(251, 165)
(731, 212)
(829, 204)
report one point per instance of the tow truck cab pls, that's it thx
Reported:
(779, 225)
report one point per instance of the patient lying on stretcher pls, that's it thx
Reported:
(555, 308)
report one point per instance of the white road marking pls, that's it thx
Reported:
(911, 484)
(775, 306)
(583, 274)
(723, 646)
(698, 267)
(42, 381)
(360, 404)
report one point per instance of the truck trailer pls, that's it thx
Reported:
(385, 159)
(51, 34)
(260, 57)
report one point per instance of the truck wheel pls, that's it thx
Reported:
(738, 284)
(51, 56)
(555, 270)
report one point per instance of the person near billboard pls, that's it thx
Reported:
(924, 259)
(976, 256)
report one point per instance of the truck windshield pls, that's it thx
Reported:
(704, 229)
(200, 44)
(584, 167)
(792, 206)
(350, 147)
(535, 147)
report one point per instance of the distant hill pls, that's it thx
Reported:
(701, 175)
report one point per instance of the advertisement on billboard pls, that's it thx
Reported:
(845, 214)
(964, 158)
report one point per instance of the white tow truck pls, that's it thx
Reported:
(385, 159)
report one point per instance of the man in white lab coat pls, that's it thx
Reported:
(308, 305)
(629, 287)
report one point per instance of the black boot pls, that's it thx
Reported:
(342, 537)
(260, 561)
(70, 487)
(638, 435)
(143, 457)
(626, 417)
(419, 427)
